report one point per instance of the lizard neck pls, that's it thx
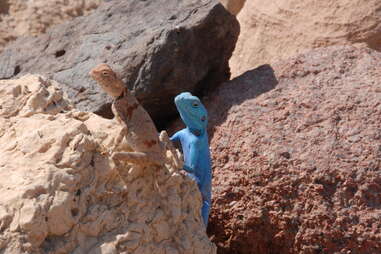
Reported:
(122, 94)
(121, 88)
(196, 132)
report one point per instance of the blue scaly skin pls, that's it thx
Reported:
(195, 145)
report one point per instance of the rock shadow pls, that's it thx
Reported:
(249, 85)
(4, 7)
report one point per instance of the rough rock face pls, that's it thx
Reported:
(20, 17)
(233, 6)
(284, 28)
(60, 192)
(161, 48)
(297, 155)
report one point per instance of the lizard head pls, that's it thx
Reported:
(107, 79)
(192, 112)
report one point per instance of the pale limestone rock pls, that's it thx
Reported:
(280, 29)
(20, 17)
(233, 6)
(61, 193)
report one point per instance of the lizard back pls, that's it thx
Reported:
(142, 134)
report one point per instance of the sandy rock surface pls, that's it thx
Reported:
(20, 17)
(297, 155)
(60, 192)
(283, 28)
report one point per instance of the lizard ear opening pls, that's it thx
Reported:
(105, 74)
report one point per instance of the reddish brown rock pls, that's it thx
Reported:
(297, 152)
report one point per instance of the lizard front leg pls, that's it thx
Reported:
(119, 139)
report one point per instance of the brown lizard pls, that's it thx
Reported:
(138, 127)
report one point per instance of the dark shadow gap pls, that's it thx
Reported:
(60, 53)
(17, 70)
(4, 7)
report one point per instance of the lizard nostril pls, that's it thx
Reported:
(203, 118)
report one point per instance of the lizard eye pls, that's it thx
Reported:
(195, 104)
(105, 74)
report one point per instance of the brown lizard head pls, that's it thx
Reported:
(107, 79)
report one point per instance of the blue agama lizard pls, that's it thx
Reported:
(195, 146)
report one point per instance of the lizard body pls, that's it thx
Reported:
(138, 127)
(195, 146)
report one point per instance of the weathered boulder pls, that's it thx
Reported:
(283, 28)
(160, 48)
(20, 17)
(61, 193)
(296, 150)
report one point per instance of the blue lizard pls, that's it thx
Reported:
(195, 146)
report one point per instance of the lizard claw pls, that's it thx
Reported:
(116, 157)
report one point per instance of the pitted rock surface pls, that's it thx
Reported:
(160, 48)
(296, 150)
(61, 193)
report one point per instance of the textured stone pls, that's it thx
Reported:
(61, 193)
(284, 28)
(20, 17)
(160, 48)
(296, 150)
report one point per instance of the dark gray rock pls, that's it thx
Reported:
(160, 48)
